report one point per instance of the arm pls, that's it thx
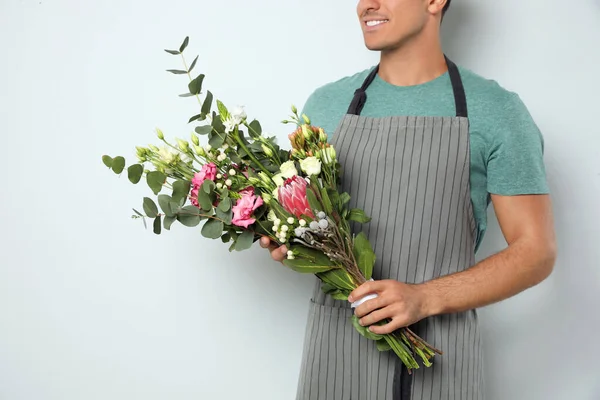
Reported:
(527, 225)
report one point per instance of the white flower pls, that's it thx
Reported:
(238, 115)
(278, 179)
(232, 172)
(277, 221)
(314, 225)
(166, 155)
(288, 169)
(271, 216)
(311, 166)
(275, 228)
(290, 255)
(323, 224)
(302, 222)
(321, 215)
(208, 148)
(225, 146)
(219, 176)
(221, 157)
(229, 125)
(290, 220)
(228, 182)
(285, 228)
(219, 185)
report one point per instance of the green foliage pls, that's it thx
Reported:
(365, 257)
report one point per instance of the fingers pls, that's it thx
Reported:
(390, 327)
(365, 289)
(370, 305)
(278, 253)
(375, 317)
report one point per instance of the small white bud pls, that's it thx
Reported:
(291, 257)
(219, 185)
(324, 224)
(314, 225)
(275, 228)
(290, 253)
(321, 215)
(208, 148)
(302, 222)
(232, 172)
(277, 221)
(228, 182)
(219, 176)
(284, 228)
(290, 220)
(225, 146)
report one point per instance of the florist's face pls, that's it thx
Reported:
(387, 24)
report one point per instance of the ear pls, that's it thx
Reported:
(436, 7)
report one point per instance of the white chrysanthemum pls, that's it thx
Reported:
(288, 169)
(311, 166)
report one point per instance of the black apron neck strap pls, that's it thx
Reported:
(460, 99)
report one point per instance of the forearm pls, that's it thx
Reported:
(523, 264)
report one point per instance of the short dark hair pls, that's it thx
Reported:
(446, 7)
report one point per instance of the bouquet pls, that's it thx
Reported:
(241, 185)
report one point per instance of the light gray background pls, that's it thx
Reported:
(94, 307)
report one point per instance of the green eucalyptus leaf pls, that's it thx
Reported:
(135, 172)
(164, 201)
(244, 241)
(226, 238)
(155, 180)
(157, 225)
(195, 117)
(212, 229)
(150, 207)
(177, 71)
(207, 103)
(225, 204)
(217, 123)
(195, 86)
(186, 95)
(225, 216)
(204, 130)
(107, 160)
(174, 52)
(217, 139)
(208, 186)
(188, 218)
(204, 200)
(358, 216)
(181, 189)
(118, 164)
(365, 257)
(254, 129)
(193, 64)
(185, 43)
(168, 221)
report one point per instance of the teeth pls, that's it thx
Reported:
(375, 23)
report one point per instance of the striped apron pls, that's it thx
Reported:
(411, 176)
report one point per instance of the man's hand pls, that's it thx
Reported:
(278, 253)
(403, 304)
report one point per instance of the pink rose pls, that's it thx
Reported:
(244, 207)
(208, 171)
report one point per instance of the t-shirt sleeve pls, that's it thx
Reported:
(515, 164)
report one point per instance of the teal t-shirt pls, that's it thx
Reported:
(506, 144)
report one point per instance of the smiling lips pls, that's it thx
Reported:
(375, 23)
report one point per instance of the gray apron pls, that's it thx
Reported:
(411, 176)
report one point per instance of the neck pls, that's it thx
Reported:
(418, 60)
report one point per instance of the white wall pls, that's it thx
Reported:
(94, 307)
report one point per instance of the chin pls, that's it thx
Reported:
(374, 46)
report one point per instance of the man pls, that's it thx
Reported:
(425, 146)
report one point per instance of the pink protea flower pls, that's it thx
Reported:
(244, 207)
(208, 171)
(292, 196)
